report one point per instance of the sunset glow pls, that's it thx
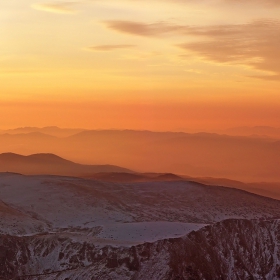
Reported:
(160, 65)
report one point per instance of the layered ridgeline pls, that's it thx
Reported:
(49, 130)
(71, 228)
(51, 164)
(252, 159)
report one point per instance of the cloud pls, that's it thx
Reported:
(267, 3)
(267, 77)
(142, 29)
(270, 3)
(255, 44)
(61, 8)
(104, 48)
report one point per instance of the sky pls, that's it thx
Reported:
(157, 65)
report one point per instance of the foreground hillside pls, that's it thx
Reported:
(232, 249)
(49, 202)
(62, 228)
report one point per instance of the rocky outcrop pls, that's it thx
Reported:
(231, 249)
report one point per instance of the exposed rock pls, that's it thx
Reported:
(231, 249)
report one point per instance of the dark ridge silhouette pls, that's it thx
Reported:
(51, 164)
(257, 131)
(267, 189)
(28, 135)
(134, 177)
(118, 177)
(168, 177)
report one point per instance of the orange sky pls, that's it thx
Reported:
(160, 65)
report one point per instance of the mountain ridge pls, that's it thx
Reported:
(51, 164)
(230, 250)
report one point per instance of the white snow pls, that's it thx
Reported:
(136, 233)
(132, 212)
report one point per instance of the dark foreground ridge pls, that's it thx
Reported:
(231, 249)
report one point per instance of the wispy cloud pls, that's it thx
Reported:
(270, 3)
(105, 48)
(58, 7)
(254, 44)
(142, 29)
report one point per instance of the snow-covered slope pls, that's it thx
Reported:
(73, 202)
(63, 202)
(62, 228)
(126, 234)
(15, 222)
(230, 250)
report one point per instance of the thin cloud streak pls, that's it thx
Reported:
(271, 3)
(142, 29)
(61, 8)
(106, 48)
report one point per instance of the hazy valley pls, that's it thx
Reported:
(242, 158)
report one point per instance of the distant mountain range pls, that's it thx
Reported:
(251, 131)
(50, 130)
(51, 164)
(257, 131)
(197, 155)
